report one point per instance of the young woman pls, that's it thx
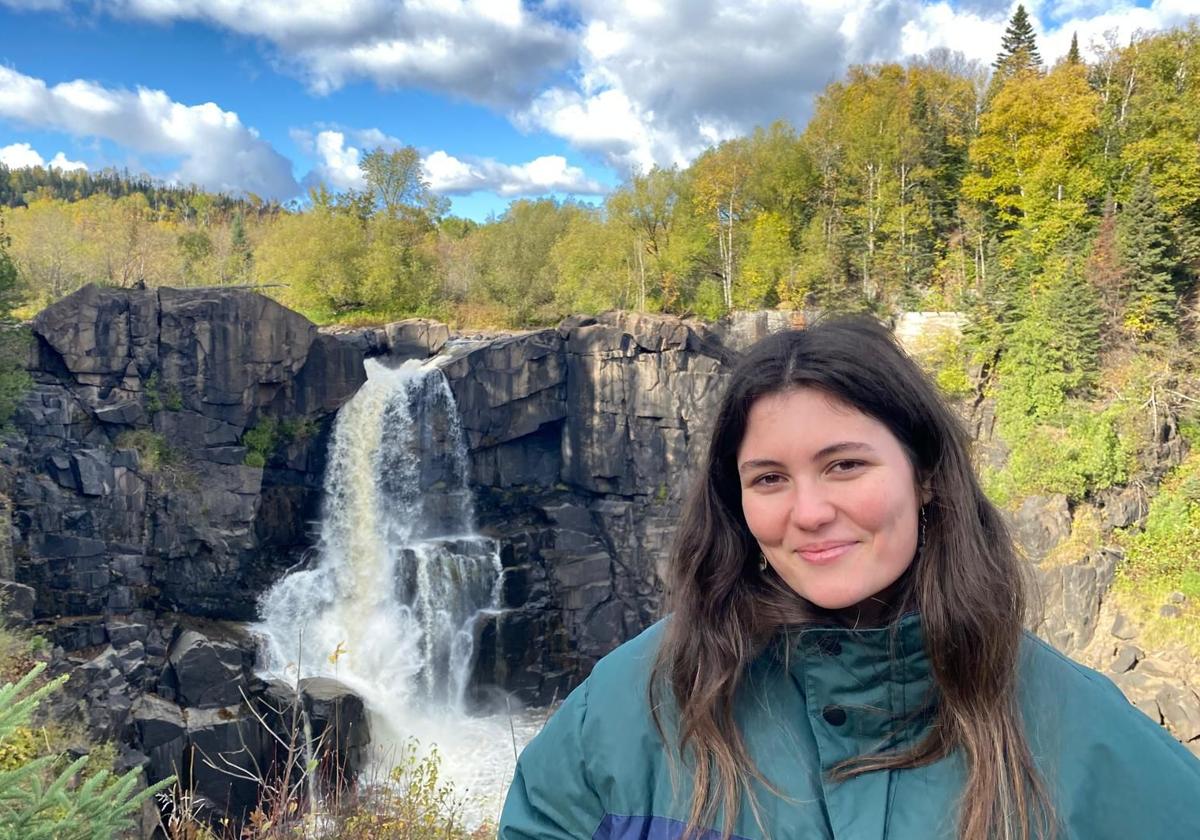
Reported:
(844, 656)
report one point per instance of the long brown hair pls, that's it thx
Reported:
(966, 583)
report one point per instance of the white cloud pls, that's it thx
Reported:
(547, 174)
(337, 164)
(493, 51)
(215, 149)
(660, 81)
(977, 33)
(338, 167)
(647, 81)
(20, 155)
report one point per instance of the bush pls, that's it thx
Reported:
(44, 797)
(1077, 456)
(1161, 559)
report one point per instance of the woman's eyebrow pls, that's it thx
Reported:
(842, 447)
(833, 449)
(758, 463)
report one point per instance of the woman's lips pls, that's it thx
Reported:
(820, 554)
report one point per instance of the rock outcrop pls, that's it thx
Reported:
(168, 459)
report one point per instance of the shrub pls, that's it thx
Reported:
(41, 796)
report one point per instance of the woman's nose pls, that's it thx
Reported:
(811, 508)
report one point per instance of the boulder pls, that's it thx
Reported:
(16, 601)
(205, 674)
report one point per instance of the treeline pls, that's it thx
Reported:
(20, 186)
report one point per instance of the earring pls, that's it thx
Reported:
(762, 562)
(921, 529)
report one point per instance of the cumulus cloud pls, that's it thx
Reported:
(215, 149)
(337, 167)
(547, 174)
(337, 163)
(659, 81)
(21, 155)
(491, 51)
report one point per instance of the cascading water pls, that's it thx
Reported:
(399, 578)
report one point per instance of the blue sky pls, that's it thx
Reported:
(502, 98)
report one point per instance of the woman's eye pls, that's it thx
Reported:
(844, 466)
(767, 480)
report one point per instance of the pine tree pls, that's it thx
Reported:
(1148, 250)
(45, 797)
(1018, 47)
(1073, 53)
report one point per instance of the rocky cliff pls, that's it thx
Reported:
(165, 466)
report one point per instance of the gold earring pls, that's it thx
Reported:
(762, 562)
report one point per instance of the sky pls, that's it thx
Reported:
(502, 98)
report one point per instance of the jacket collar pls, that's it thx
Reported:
(879, 676)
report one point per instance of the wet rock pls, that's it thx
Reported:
(416, 338)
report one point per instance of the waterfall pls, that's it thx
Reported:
(400, 577)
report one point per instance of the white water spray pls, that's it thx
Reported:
(399, 579)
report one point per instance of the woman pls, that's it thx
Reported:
(844, 656)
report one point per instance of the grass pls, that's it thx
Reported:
(153, 451)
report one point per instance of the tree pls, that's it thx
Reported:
(721, 177)
(1148, 251)
(1105, 269)
(1018, 47)
(318, 256)
(397, 182)
(591, 266)
(1073, 56)
(13, 337)
(1035, 159)
(45, 797)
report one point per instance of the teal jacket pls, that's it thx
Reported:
(599, 770)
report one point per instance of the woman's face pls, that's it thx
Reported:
(831, 497)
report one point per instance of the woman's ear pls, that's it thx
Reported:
(926, 493)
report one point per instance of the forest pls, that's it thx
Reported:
(1058, 207)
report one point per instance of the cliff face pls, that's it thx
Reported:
(135, 492)
(138, 509)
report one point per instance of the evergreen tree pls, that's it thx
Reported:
(1073, 53)
(1018, 47)
(14, 381)
(1149, 254)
